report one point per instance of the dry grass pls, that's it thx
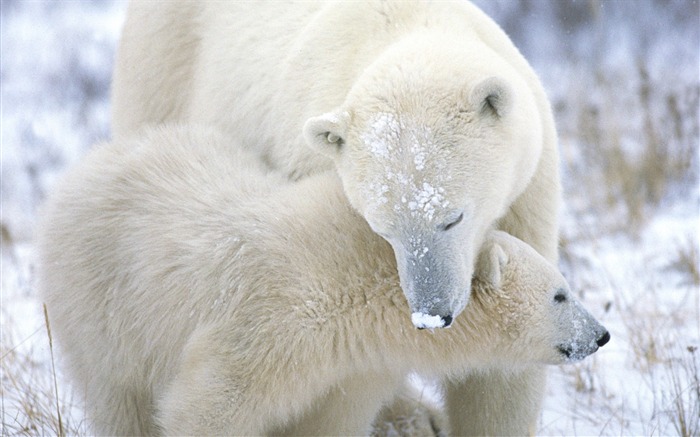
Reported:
(687, 263)
(33, 402)
(684, 394)
(627, 154)
(59, 420)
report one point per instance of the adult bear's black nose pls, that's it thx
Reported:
(604, 339)
(447, 320)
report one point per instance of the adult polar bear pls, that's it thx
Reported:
(436, 124)
(189, 288)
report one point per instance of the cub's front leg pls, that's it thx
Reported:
(348, 408)
(209, 394)
(237, 380)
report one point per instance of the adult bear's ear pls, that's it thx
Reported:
(492, 96)
(492, 261)
(326, 133)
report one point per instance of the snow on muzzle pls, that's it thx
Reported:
(584, 334)
(436, 285)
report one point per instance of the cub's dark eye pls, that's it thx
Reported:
(454, 223)
(560, 297)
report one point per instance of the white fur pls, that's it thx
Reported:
(191, 293)
(440, 79)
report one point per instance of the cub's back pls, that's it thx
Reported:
(128, 232)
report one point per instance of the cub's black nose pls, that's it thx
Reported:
(447, 320)
(604, 339)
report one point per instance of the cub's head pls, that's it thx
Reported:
(431, 154)
(527, 306)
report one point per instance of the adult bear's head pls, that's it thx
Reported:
(432, 147)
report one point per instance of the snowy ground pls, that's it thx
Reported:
(623, 78)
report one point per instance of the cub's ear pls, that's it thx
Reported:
(326, 133)
(492, 96)
(492, 261)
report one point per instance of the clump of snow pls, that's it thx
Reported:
(426, 321)
(379, 189)
(420, 253)
(426, 199)
(383, 133)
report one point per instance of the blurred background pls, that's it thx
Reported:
(624, 80)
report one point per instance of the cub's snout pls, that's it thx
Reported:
(580, 347)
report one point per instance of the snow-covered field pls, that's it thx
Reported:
(623, 77)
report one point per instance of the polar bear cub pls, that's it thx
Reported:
(194, 293)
